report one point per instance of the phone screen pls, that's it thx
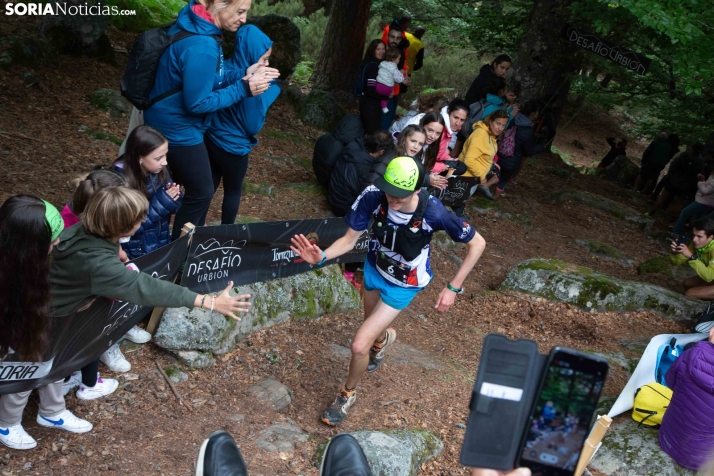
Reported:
(564, 409)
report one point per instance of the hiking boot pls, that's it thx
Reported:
(337, 411)
(115, 360)
(101, 389)
(17, 438)
(74, 380)
(376, 353)
(65, 421)
(219, 455)
(706, 320)
(343, 455)
(137, 335)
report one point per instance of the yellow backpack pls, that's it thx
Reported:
(651, 401)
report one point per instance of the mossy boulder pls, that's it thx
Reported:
(258, 188)
(601, 203)
(111, 101)
(306, 295)
(605, 251)
(79, 34)
(629, 449)
(591, 290)
(663, 265)
(286, 52)
(320, 109)
(394, 452)
(623, 171)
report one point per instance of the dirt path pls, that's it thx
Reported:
(141, 429)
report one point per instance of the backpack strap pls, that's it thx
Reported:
(182, 35)
(418, 215)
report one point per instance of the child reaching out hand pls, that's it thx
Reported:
(388, 75)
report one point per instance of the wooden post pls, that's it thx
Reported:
(592, 443)
(159, 311)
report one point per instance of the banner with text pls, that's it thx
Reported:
(84, 334)
(636, 62)
(255, 252)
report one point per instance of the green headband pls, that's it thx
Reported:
(54, 220)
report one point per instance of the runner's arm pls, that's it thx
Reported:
(446, 297)
(313, 254)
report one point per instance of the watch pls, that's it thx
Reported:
(693, 257)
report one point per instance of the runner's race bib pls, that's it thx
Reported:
(396, 269)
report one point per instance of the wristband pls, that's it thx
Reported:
(324, 258)
(203, 300)
(453, 289)
(213, 303)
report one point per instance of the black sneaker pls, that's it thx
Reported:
(337, 411)
(706, 320)
(219, 456)
(344, 456)
(376, 354)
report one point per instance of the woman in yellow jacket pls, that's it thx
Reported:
(481, 147)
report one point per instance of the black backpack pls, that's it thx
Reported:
(407, 240)
(140, 73)
(358, 90)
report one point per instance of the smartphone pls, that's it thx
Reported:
(682, 240)
(563, 412)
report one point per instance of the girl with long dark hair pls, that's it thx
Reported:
(29, 229)
(143, 165)
(369, 108)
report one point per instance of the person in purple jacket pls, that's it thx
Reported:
(687, 431)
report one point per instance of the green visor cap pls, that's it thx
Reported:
(403, 176)
(55, 223)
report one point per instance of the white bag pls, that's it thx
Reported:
(136, 119)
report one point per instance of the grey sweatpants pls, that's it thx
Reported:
(12, 405)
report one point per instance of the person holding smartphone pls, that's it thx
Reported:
(397, 265)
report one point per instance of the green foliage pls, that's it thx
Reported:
(149, 13)
(303, 71)
(312, 31)
(285, 8)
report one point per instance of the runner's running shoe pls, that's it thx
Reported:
(337, 411)
(376, 353)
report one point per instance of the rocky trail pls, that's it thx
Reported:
(270, 390)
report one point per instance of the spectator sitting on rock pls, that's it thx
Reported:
(499, 67)
(682, 181)
(687, 431)
(700, 256)
(702, 205)
(617, 148)
(654, 160)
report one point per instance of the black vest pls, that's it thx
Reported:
(407, 240)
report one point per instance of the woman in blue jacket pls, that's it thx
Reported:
(195, 65)
(231, 134)
(143, 165)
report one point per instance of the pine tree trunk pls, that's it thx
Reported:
(545, 59)
(338, 64)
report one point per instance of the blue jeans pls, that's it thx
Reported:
(690, 213)
(389, 117)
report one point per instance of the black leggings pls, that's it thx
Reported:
(89, 374)
(371, 113)
(191, 168)
(232, 169)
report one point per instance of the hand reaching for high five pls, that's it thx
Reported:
(306, 250)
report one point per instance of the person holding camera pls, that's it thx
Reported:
(700, 256)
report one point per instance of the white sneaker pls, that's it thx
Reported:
(74, 380)
(385, 110)
(138, 335)
(66, 421)
(101, 389)
(114, 359)
(16, 437)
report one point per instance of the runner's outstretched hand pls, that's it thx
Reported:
(306, 250)
(446, 300)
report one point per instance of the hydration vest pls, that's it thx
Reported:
(407, 240)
